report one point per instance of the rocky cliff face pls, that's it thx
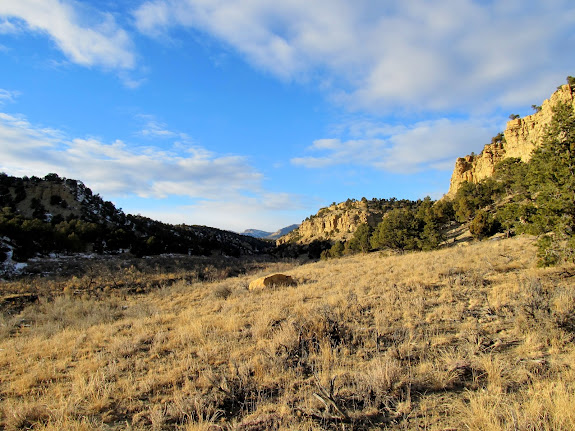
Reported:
(337, 222)
(521, 136)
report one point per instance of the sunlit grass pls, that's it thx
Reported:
(472, 337)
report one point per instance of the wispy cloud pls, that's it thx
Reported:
(215, 190)
(8, 27)
(88, 38)
(411, 55)
(400, 149)
(117, 169)
(7, 96)
(155, 129)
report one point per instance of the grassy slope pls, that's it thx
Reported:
(469, 337)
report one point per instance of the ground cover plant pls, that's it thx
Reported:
(473, 337)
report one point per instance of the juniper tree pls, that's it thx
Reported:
(551, 180)
(399, 230)
(361, 238)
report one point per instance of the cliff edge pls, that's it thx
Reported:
(519, 139)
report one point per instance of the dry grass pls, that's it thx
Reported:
(472, 337)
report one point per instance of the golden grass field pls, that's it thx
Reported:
(462, 338)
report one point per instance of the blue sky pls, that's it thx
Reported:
(255, 113)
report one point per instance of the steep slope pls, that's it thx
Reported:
(54, 199)
(519, 139)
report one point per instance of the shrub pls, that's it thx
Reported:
(483, 225)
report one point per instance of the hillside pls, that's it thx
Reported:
(338, 222)
(53, 215)
(472, 337)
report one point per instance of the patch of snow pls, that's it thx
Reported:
(9, 266)
(19, 266)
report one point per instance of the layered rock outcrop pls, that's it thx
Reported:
(337, 222)
(521, 136)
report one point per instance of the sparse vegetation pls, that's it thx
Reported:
(498, 139)
(428, 340)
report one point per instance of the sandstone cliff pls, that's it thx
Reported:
(519, 139)
(339, 222)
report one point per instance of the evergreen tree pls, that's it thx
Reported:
(551, 180)
(398, 230)
(429, 216)
(483, 225)
(471, 197)
(360, 242)
(337, 249)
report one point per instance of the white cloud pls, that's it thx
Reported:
(116, 169)
(153, 17)
(220, 190)
(268, 211)
(377, 55)
(400, 149)
(76, 33)
(8, 27)
(156, 129)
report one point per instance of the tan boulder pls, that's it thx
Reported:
(272, 280)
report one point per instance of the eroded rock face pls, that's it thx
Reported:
(522, 135)
(272, 280)
(336, 223)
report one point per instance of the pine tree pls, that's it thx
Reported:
(361, 238)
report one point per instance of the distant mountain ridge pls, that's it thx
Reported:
(256, 233)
